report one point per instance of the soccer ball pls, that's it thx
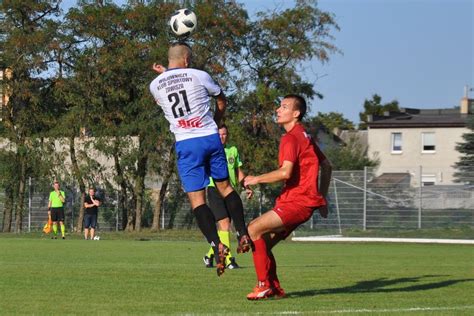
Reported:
(96, 238)
(183, 22)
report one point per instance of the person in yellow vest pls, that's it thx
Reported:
(217, 204)
(57, 198)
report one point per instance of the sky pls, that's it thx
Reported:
(418, 52)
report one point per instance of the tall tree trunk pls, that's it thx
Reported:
(131, 214)
(139, 205)
(8, 210)
(140, 183)
(122, 204)
(21, 193)
(155, 226)
(77, 175)
(157, 199)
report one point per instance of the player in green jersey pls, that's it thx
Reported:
(216, 202)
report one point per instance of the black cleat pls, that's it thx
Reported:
(232, 264)
(208, 261)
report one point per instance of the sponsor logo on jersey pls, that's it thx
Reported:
(191, 123)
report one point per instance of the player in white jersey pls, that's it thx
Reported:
(184, 95)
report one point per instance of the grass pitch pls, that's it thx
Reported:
(128, 276)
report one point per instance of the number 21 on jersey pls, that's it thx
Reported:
(180, 103)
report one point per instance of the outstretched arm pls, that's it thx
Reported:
(281, 174)
(158, 68)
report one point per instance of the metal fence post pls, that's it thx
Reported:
(116, 210)
(73, 189)
(29, 204)
(337, 206)
(163, 203)
(420, 192)
(365, 199)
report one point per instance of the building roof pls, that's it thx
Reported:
(410, 118)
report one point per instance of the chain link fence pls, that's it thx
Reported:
(361, 199)
(401, 200)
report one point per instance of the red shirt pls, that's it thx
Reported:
(297, 147)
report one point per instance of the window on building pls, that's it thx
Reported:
(428, 179)
(428, 142)
(396, 142)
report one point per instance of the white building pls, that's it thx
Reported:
(419, 143)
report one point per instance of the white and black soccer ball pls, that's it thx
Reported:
(183, 22)
(96, 237)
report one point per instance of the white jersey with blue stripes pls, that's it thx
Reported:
(184, 95)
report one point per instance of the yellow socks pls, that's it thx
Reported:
(225, 239)
(63, 229)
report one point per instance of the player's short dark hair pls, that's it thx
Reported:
(182, 46)
(223, 126)
(300, 104)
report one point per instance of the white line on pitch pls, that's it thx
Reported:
(384, 310)
(377, 239)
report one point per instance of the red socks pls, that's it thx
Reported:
(272, 273)
(261, 261)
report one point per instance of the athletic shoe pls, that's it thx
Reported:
(279, 292)
(232, 264)
(54, 237)
(261, 291)
(64, 237)
(222, 254)
(208, 261)
(245, 243)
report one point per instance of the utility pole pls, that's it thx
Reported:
(467, 90)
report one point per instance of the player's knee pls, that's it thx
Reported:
(224, 188)
(254, 232)
(224, 224)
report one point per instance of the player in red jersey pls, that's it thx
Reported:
(300, 162)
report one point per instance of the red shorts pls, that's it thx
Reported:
(292, 215)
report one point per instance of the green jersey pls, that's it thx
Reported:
(55, 200)
(233, 163)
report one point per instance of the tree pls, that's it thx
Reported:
(331, 121)
(117, 47)
(27, 30)
(465, 165)
(274, 47)
(91, 69)
(8, 181)
(349, 156)
(375, 107)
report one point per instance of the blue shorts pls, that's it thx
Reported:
(90, 221)
(200, 158)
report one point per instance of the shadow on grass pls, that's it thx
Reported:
(380, 286)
